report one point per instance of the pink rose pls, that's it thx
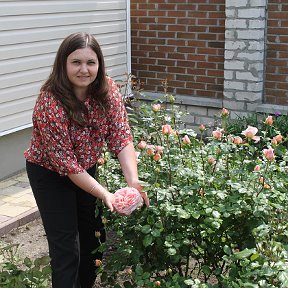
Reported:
(141, 145)
(250, 133)
(278, 138)
(159, 149)
(167, 129)
(186, 139)
(202, 128)
(257, 168)
(237, 140)
(217, 134)
(224, 113)
(269, 154)
(156, 107)
(269, 120)
(157, 157)
(127, 200)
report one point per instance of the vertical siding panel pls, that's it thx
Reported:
(30, 34)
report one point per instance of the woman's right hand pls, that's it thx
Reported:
(109, 199)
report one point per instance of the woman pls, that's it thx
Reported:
(78, 110)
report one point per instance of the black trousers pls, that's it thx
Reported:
(68, 215)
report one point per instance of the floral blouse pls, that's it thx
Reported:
(61, 145)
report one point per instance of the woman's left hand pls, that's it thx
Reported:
(144, 195)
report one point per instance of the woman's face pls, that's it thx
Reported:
(82, 68)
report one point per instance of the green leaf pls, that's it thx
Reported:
(244, 253)
(254, 256)
(146, 229)
(227, 250)
(147, 241)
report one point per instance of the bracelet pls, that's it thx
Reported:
(91, 190)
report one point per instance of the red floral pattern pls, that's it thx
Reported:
(61, 145)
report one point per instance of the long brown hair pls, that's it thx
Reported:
(60, 86)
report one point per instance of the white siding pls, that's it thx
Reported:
(30, 34)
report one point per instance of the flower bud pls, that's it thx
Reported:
(100, 161)
(97, 234)
(157, 283)
(142, 145)
(98, 263)
(269, 120)
(156, 107)
(186, 139)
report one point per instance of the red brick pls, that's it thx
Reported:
(186, 21)
(196, 86)
(206, 36)
(197, 29)
(176, 42)
(157, 13)
(157, 27)
(166, 20)
(181, 28)
(166, 62)
(177, 14)
(176, 56)
(156, 41)
(178, 70)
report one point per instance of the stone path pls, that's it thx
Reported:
(17, 204)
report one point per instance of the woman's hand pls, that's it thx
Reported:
(136, 184)
(109, 199)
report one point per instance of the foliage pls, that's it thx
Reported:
(22, 273)
(218, 214)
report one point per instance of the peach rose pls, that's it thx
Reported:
(127, 200)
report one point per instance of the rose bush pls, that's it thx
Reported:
(218, 214)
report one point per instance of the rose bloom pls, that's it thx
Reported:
(224, 112)
(269, 154)
(279, 138)
(250, 133)
(157, 283)
(142, 145)
(150, 151)
(257, 168)
(186, 139)
(202, 128)
(217, 134)
(211, 160)
(156, 107)
(159, 149)
(274, 141)
(166, 129)
(127, 200)
(269, 120)
(157, 157)
(237, 140)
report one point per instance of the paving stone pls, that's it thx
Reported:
(13, 210)
(7, 183)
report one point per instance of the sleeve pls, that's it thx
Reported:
(119, 132)
(52, 122)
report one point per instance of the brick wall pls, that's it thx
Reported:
(276, 84)
(182, 41)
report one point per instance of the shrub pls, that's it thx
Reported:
(22, 273)
(218, 214)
